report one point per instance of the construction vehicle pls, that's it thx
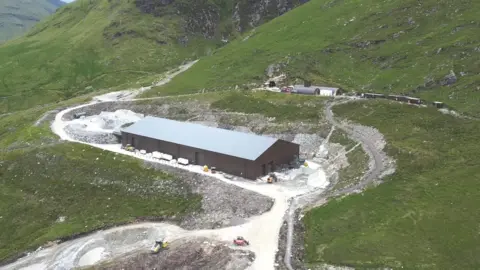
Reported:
(128, 147)
(272, 177)
(159, 245)
(240, 241)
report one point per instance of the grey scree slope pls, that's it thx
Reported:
(233, 143)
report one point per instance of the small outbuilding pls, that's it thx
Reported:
(372, 95)
(412, 100)
(438, 104)
(237, 153)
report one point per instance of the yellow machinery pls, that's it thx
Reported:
(129, 148)
(159, 245)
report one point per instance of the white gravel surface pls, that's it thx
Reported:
(100, 128)
(91, 257)
(106, 121)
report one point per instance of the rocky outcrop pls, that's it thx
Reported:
(251, 13)
(221, 19)
(449, 79)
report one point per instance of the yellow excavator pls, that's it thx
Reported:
(159, 245)
(129, 148)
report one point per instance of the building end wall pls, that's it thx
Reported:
(280, 153)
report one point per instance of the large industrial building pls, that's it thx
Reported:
(237, 153)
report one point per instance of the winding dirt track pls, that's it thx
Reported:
(368, 145)
(312, 198)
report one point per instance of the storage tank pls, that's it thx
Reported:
(305, 90)
(314, 90)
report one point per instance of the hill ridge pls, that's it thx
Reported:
(18, 16)
(85, 45)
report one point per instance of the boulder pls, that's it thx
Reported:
(449, 79)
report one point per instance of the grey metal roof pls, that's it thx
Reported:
(228, 142)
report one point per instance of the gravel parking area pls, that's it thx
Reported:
(223, 204)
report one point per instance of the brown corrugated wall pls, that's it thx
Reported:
(281, 152)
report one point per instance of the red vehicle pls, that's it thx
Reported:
(240, 241)
(287, 89)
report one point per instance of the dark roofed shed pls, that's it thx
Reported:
(243, 154)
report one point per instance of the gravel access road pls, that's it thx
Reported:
(372, 143)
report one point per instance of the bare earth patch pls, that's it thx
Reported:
(191, 254)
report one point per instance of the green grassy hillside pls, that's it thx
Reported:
(18, 16)
(425, 216)
(89, 45)
(383, 46)
(41, 185)
(85, 46)
(43, 180)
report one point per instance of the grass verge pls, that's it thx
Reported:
(425, 215)
(340, 137)
(357, 161)
(281, 106)
(17, 130)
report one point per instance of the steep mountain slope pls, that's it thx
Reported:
(17, 16)
(221, 18)
(424, 216)
(90, 45)
(428, 49)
